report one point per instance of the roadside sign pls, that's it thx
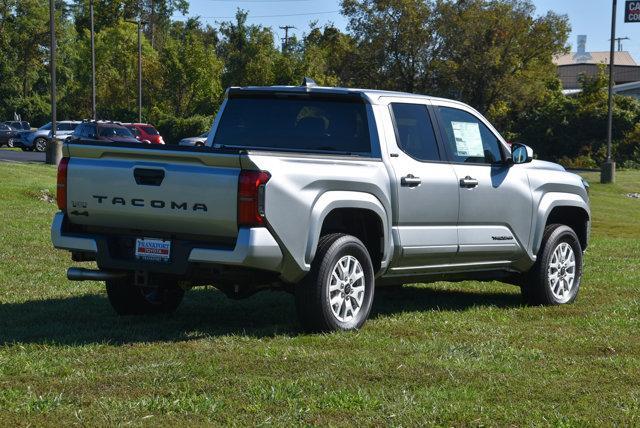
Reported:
(632, 11)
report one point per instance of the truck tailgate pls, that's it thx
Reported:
(155, 190)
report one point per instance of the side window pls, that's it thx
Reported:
(468, 139)
(414, 131)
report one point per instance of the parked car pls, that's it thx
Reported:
(65, 130)
(8, 135)
(112, 132)
(145, 133)
(19, 125)
(37, 140)
(198, 141)
(328, 193)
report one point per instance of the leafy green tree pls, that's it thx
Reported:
(327, 56)
(156, 13)
(117, 72)
(572, 129)
(497, 55)
(25, 40)
(249, 53)
(395, 43)
(191, 72)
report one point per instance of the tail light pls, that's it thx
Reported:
(251, 198)
(61, 193)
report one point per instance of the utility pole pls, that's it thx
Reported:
(139, 70)
(608, 172)
(619, 40)
(285, 40)
(93, 63)
(54, 152)
(139, 23)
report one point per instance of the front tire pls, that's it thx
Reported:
(555, 278)
(337, 294)
(40, 144)
(10, 143)
(126, 298)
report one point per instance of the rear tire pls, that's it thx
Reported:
(555, 277)
(10, 143)
(337, 294)
(126, 298)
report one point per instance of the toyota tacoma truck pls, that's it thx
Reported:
(327, 193)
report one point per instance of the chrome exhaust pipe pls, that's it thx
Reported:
(81, 274)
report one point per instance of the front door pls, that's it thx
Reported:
(427, 191)
(495, 199)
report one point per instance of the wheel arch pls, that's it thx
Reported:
(359, 214)
(567, 209)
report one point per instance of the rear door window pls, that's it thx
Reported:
(414, 131)
(315, 124)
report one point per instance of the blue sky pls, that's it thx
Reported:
(590, 17)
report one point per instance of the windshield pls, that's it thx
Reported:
(113, 131)
(46, 127)
(150, 130)
(305, 124)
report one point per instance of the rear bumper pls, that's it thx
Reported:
(255, 248)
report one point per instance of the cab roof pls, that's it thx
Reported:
(371, 95)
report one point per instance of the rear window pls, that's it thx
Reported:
(294, 123)
(113, 131)
(150, 130)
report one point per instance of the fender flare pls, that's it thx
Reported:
(332, 200)
(547, 203)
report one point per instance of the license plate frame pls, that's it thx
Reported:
(153, 250)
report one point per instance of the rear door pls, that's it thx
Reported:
(5, 130)
(495, 197)
(427, 191)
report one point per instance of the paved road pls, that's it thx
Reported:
(20, 156)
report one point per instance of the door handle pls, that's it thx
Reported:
(410, 181)
(468, 182)
(148, 177)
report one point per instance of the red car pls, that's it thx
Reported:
(145, 133)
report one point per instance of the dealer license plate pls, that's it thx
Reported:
(154, 250)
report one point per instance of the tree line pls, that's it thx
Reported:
(496, 55)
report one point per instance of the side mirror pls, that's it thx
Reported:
(521, 153)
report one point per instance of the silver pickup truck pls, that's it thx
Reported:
(326, 193)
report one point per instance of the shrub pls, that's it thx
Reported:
(173, 129)
(580, 162)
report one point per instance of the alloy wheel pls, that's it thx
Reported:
(346, 288)
(561, 274)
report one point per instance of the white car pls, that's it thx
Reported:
(64, 130)
(37, 140)
(198, 141)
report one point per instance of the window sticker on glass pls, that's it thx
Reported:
(468, 139)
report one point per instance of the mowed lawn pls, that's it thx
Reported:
(446, 354)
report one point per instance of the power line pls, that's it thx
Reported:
(271, 16)
(260, 1)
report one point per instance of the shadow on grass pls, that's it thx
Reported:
(89, 319)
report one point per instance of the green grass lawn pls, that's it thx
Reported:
(445, 354)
